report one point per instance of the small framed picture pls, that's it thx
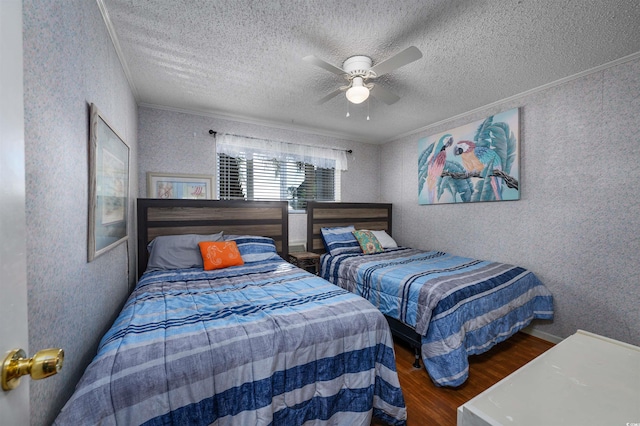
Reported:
(196, 187)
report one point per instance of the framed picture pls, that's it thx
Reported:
(108, 186)
(476, 162)
(197, 187)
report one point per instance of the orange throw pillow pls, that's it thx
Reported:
(220, 254)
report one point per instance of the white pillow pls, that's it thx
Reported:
(385, 239)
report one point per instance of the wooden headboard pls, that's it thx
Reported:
(376, 216)
(158, 217)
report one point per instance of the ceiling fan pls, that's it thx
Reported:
(358, 71)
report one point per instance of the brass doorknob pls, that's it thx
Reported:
(43, 364)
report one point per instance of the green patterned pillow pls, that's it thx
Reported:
(368, 242)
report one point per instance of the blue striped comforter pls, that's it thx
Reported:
(459, 306)
(261, 344)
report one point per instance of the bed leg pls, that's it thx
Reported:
(416, 363)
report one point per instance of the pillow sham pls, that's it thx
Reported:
(340, 240)
(219, 254)
(385, 239)
(368, 242)
(254, 248)
(177, 251)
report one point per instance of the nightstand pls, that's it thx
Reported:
(306, 260)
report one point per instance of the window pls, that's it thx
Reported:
(255, 173)
(267, 179)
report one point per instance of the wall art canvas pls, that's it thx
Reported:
(108, 186)
(471, 163)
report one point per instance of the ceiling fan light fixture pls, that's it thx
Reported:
(357, 93)
(359, 68)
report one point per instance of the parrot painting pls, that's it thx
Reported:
(481, 160)
(435, 165)
(471, 163)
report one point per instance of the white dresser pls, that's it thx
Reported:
(584, 380)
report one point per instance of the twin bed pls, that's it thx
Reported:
(264, 342)
(446, 307)
(254, 344)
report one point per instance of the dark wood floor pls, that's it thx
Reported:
(431, 405)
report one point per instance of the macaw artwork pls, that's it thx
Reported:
(475, 162)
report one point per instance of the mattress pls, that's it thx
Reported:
(261, 344)
(459, 306)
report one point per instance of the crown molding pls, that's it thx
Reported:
(116, 45)
(564, 80)
(258, 122)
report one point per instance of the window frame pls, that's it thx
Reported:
(249, 178)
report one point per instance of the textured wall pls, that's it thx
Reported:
(576, 225)
(173, 142)
(69, 62)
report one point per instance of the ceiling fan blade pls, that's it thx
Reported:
(384, 95)
(403, 58)
(322, 64)
(329, 96)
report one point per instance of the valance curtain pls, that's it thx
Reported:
(235, 146)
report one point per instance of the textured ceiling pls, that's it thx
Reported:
(242, 59)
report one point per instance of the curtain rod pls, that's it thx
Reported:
(348, 151)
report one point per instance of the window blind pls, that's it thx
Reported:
(247, 173)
